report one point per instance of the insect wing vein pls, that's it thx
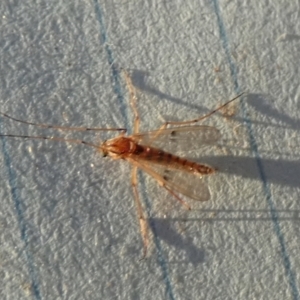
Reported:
(178, 180)
(177, 139)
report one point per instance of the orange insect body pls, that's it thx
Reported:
(126, 147)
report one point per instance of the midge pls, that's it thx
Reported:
(177, 175)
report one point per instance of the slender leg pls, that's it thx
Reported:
(136, 124)
(201, 118)
(133, 101)
(178, 123)
(142, 220)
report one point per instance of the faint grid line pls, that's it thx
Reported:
(268, 195)
(12, 179)
(160, 257)
(118, 91)
(115, 74)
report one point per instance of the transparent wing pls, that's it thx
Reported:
(185, 183)
(183, 138)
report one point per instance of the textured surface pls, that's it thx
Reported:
(68, 227)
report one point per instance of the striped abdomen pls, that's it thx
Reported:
(172, 161)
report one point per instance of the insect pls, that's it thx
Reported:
(177, 175)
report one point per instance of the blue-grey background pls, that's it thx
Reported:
(68, 227)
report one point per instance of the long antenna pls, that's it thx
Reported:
(57, 127)
(57, 139)
(206, 116)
